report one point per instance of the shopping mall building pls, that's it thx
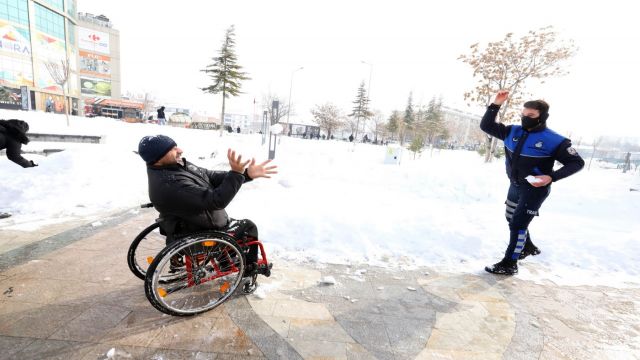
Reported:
(34, 34)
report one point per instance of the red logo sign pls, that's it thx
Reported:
(94, 37)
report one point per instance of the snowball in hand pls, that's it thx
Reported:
(532, 179)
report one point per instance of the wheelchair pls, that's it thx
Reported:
(197, 271)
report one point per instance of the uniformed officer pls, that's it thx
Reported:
(531, 150)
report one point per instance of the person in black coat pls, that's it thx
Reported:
(161, 118)
(191, 198)
(531, 149)
(13, 134)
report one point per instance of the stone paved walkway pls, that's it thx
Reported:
(80, 301)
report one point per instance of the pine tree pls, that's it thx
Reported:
(409, 117)
(361, 108)
(225, 72)
(434, 121)
(395, 126)
(416, 145)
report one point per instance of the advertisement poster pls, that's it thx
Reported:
(24, 97)
(95, 87)
(95, 65)
(10, 98)
(48, 49)
(92, 40)
(15, 72)
(14, 39)
(15, 56)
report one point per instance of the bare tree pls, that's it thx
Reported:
(328, 117)
(596, 142)
(148, 105)
(60, 74)
(509, 64)
(283, 107)
(377, 125)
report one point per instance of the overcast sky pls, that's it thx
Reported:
(412, 46)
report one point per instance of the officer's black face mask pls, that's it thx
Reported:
(529, 122)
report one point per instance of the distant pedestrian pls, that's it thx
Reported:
(238, 129)
(351, 138)
(627, 163)
(49, 105)
(161, 118)
(13, 133)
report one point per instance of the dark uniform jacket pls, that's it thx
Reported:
(193, 194)
(532, 152)
(13, 133)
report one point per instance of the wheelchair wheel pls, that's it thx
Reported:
(144, 249)
(213, 265)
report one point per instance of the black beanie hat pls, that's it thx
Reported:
(539, 105)
(153, 148)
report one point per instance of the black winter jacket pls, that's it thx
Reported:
(193, 194)
(13, 133)
(532, 152)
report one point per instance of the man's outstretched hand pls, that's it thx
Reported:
(501, 97)
(261, 170)
(236, 162)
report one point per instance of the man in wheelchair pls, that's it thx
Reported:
(191, 199)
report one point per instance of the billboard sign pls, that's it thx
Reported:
(95, 87)
(92, 40)
(95, 65)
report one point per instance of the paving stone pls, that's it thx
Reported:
(42, 321)
(10, 345)
(371, 334)
(54, 350)
(92, 324)
(323, 330)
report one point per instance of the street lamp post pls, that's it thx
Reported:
(291, 88)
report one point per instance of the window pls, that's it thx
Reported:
(15, 11)
(56, 4)
(15, 71)
(49, 22)
(71, 8)
(71, 29)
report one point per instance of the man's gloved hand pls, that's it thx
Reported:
(33, 164)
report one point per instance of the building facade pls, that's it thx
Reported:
(35, 34)
(98, 57)
(37, 37)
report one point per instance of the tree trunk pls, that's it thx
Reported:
(222, 115)
(487, 149)
(592, 154)
(66, 104)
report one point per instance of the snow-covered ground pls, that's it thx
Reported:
(331, 204)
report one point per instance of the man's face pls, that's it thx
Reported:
(174, 156)
(532, 113)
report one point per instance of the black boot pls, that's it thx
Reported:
(504, 267)
(529, 250)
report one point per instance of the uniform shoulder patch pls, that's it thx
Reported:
(571, 150)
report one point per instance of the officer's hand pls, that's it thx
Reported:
(33, 164)
(543, 180)
(501, 97)
(261, 170)
(236, 162)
